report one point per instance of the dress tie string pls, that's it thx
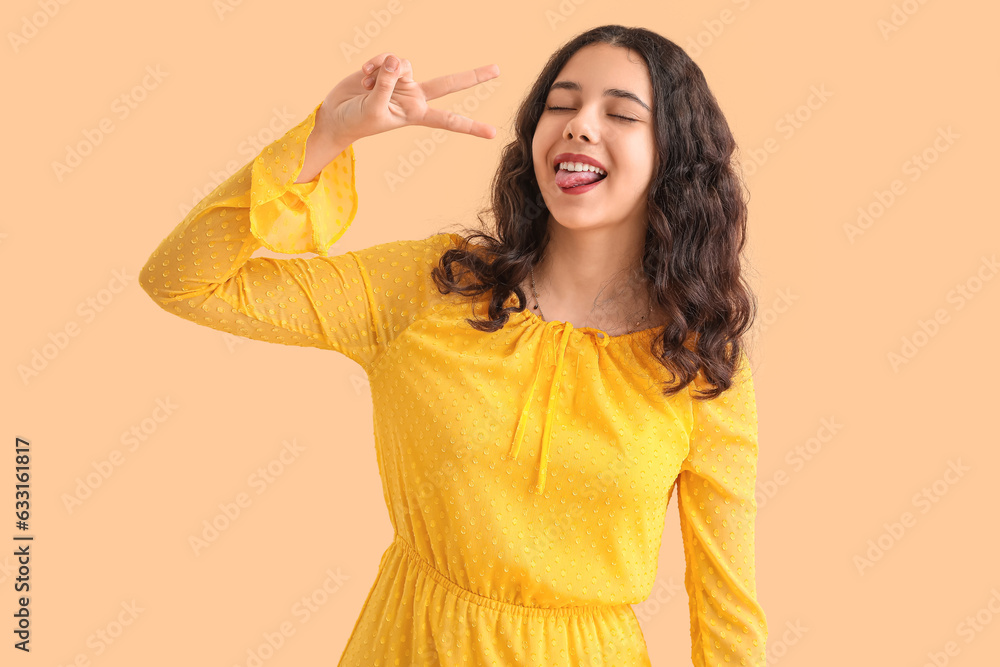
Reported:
(602, 339)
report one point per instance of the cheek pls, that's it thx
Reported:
(536, 151)
(640, 161)
(545, 133)
(539, 158)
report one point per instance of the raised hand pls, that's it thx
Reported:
(382, 95)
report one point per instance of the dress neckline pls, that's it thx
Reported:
(531, 317)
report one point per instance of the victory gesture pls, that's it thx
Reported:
(386, 97)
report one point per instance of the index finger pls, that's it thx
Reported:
(443, 85)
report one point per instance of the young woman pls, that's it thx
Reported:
(528, 455)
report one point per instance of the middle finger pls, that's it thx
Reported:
(404, 67)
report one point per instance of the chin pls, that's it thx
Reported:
(578, 222)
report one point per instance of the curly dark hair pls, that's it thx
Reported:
(696, 229)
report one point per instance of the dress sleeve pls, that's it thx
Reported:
(717, 516)
(350, 303)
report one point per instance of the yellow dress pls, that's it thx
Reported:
(526, 472)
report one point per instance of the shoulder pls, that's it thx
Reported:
(405, 254)
(742, 380)
(400, 271)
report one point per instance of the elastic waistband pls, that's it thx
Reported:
(498, 605)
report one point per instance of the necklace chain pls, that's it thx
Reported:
(538, 306)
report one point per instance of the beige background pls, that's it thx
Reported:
(834, 309)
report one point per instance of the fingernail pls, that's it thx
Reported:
(368, 81)
(390, 64)
(369, 67)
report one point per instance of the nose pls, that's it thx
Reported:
(579, 126)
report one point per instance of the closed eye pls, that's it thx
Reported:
(631, 120)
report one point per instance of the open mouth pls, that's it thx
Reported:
(572, 180)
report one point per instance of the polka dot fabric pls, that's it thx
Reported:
(526, 472)
(718, 512)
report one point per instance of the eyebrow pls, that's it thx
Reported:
(608, 92)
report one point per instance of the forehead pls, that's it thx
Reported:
(599, 66)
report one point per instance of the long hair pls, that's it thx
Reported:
(696, 218)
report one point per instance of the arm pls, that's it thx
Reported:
(717, 514)
(203, 271)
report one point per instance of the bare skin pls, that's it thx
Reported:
(621, 306)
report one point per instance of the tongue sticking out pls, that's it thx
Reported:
(571, 179)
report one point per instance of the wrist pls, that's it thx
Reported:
(329, 133)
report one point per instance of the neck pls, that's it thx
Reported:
(593, 275)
